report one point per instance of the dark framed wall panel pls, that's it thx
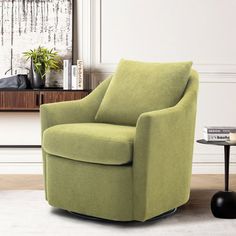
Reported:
(28, 24)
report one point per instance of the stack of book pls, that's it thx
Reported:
(217, 133)
(73, 75)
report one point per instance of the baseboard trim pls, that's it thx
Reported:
(20, 155)
(29, 161)
(21, 168)
(36, 168)
(212, 168)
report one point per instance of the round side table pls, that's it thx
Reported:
(223, 203)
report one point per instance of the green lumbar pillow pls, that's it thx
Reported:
(138, 87)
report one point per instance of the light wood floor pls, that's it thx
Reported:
(202, 188)
(35, 182)
(21, 182)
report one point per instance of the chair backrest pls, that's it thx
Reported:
(192, 85)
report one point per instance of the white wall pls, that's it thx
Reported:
(167, 30)
(19, 128)
(149, 30)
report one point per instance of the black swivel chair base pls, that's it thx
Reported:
(163, 215)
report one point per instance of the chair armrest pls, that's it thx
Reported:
(65, 112)
(77, 111)
(162, 161)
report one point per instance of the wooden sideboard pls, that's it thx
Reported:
(30, 100)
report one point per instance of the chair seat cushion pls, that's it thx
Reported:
(91, 142)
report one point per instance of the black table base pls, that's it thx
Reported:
(223, 203)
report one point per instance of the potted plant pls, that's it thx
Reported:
(43, 60)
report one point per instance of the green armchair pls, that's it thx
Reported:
(117, 168)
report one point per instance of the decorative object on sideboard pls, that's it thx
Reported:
(43, 61)
(232, 137)
(18, 81)
(73, 76)
(54, 79)
(80, 83)
(67, 74)
(218, 133)
(77, 76)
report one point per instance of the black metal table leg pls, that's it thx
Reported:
(227, 154)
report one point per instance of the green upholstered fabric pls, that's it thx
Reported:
(96, 190)
(157, 180)
(91, 142)
(163, 152)
(79, 111)
(139, 87)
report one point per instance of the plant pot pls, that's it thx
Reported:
(36, 81)
(54, 79)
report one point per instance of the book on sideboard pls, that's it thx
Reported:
(73, 76)
(66, 74)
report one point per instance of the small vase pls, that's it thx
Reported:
(36, 81)
(54, 79)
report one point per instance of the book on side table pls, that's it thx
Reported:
(218, 133)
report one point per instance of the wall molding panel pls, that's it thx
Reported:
(21, 161)
(98, 9)
(90, 49)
